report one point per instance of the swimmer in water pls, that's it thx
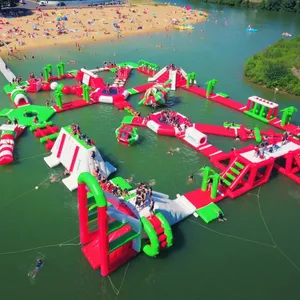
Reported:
(129, 180)
(53, 178)
(171, 152)
(221, 217)
(191, 177)
(39, 264)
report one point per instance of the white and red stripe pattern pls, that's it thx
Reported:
(7, 142)
(7, 148)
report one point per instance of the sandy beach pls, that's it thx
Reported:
(46, 28)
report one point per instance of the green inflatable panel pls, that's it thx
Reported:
(40, 126)
(209, 212)
(25, 114)
(127, 120)
(223, 95)
(122, 183)
(257, 135)
(5, 111)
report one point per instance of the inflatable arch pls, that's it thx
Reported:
(19, 97)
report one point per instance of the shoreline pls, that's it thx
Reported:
(131, 20)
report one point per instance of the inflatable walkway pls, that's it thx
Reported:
(159, 232)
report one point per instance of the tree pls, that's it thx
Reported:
(288, 5)
(297, 7)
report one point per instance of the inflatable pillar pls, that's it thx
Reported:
(211, 84)
(191, 77)
(85, 92)
(60, 69)
(215, 185)
(205, 179)
(287, 115)
(47, 71)
(58, 98)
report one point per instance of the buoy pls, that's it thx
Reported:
(36, 187)
(53, 85)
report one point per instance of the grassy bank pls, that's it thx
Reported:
(278, 66)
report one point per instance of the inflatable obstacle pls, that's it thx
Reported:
(117, 238)
(76, 156)
(257, 135)
(261, 109)
(46, 132)
(159, 232)
(156, 95)
(209, 212)
(7, 142)
(27, 114)
(127, 135)
(19, 97)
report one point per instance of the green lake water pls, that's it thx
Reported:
(254, 255)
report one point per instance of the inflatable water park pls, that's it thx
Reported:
(133, 220)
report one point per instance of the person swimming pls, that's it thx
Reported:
(39, 265)
(171, 152)
(53, 178)
(190, 177)
(221, 217)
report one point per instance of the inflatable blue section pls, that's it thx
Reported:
(251, 30)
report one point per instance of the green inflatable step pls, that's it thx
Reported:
(93, 216)
(122, 240)
(50, 136)
(127, 120)
(239, 165)
(230, 176)
(40, 126)
(235, 171)
(228, 183)
(114, 225)
(209, 212)
(223, 95)
(132, 91)
(122, 183)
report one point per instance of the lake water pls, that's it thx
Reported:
(254, 255)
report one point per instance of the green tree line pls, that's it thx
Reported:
(277, 5)
(8, 3)
(278, 66)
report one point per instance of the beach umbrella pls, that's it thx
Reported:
(58, 19)
(65, 18)
(154, 15)
(34, 27)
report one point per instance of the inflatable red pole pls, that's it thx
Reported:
(103, 240)
(83, 214)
